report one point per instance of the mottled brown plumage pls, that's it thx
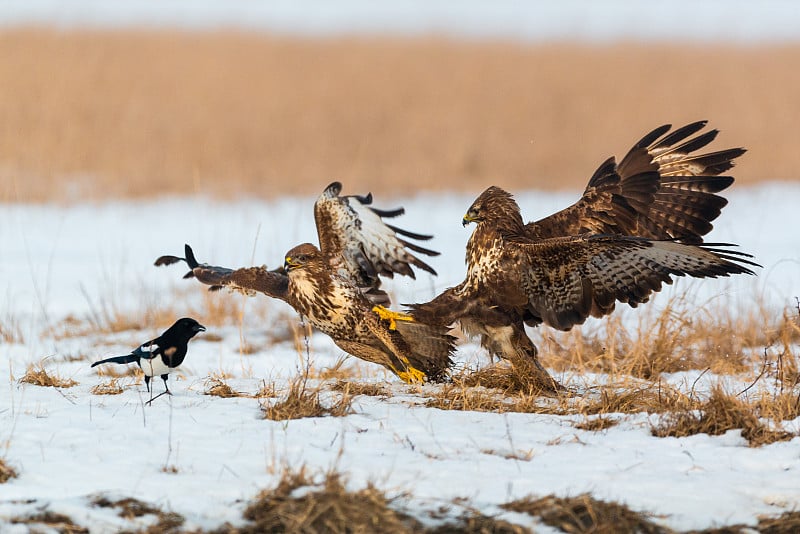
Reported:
(637, 225)
(337, 286)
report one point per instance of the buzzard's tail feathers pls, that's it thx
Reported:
(128, 358)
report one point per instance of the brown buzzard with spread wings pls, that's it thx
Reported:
(638, 224)
(337, 286)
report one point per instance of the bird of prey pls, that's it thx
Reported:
(336, 287)
(162, 355)
(639, 223)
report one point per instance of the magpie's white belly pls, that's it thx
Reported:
(154, 367)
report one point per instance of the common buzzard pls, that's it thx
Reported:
(638, 223)
(337, 286)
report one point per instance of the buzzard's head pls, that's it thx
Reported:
(300, 256)
(493, 205)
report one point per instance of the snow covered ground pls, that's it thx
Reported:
(69, 445)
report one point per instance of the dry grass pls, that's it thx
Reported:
(679, 337)
(6, 472)
(137, 113)
(50, 521)
(112, 387)
(38, 376)
(216, 386)
(130, 508)
(586, 515)
(329, 507)
(349, 388)
(298, 504)
(302, 400)
(718, 414)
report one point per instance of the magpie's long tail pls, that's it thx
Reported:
(128, 358)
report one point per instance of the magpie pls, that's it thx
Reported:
(161, 355)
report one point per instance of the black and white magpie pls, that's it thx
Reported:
(160, 356)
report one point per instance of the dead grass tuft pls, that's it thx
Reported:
(38, 376)
(328, 507)
(58, 522)
(216, 387)
(720, 413)
(596, 424)
(585, 514)
(347, 387)
(787, 523)
(111, 387)
(302, 400)
(517, 377)
(6, 472)
(628, 399)
(476, 523)
(130, 508)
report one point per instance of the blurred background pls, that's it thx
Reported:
(136, 99)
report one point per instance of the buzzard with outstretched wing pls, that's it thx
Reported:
(638, 224)
(337, 286)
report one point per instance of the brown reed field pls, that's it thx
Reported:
(136, 113)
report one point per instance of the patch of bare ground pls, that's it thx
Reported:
(38, 376)
(584, 514)
(419, 113)
(6, 472)
(301, 399)
(47, 521)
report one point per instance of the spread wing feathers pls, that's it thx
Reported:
(355, 236)
(568, 279)
(249, 280)
(662, 189)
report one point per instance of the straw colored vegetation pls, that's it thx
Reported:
(112, 387)
(130, 508)
(585, 514)
(50, 522)
(6, 472)
(304, 400)
(299, 504)
(38, 376)
(140, 113)
(217, 387)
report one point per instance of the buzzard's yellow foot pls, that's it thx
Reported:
(388, 315)
(412, 376)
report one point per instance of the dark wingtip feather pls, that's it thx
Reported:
(166, 260)
(412, 235)
(388, 214)
(188, 275)
(652, 136)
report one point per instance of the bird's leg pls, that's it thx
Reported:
(388, 315)
(166, 387)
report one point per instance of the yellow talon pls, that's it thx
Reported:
(412, 376)
(391, 316)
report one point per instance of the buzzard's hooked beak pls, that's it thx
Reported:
(466, 220)
(288, 264)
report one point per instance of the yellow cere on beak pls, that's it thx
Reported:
(466, 220)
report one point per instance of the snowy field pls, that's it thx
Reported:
(70, 446)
